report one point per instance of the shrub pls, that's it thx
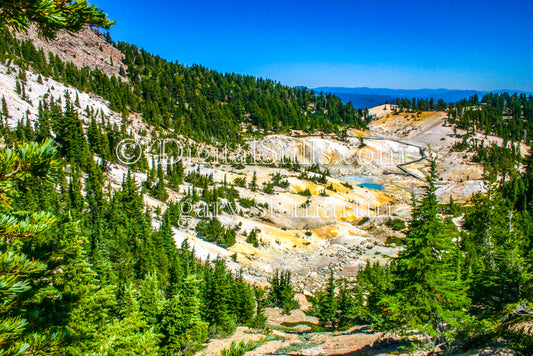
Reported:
(306, 193)
(396, 224)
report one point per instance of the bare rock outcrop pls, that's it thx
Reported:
(88, 48)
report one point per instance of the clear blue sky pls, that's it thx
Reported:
(466, 44)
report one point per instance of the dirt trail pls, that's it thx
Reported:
(293, 335)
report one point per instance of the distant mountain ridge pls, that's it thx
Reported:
(364, 97)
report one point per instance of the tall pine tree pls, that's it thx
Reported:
(429, 296)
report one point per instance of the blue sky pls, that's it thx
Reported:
(467, 44)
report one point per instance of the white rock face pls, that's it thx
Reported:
(21, 109)
(307, 150)
(28, 109)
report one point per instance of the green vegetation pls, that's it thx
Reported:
(448, 288)
(396, 224)
(239, 349)
(52, 16)
(247, 203)
(507, 116)
(327, 305)
(347, 185)
(428, 294)
(240, 182)
(322, 179)
(305, 193)
(295, 347)
(252, 238)
(86, 272)
(19, 270)
(277, 181)
(281, 294)
(213, 231)
(312, 326)
(82, 270)
(306, 205)
(338, 306)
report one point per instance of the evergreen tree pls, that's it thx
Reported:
(372, 284)
(159, 191)
(70, 135)
(18, 271)
(429, 295)
(51, 17)
(253, 184)
(496, 254)
(151, 299)
(252, 238)
(217, 299)
(181, 324)
(346, 305)
(129, 335)
(281, 293)
(243, 301)
(261, 301)
(327, 305)
(214, 231)
(5, 112)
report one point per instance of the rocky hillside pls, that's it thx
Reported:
(88, 48)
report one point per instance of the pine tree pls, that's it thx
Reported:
(5, 111)
(346, 306)
(151, 299)
(217, 299)
(160, 192)
(127, 300)
(496, 253)
(18, 272)
(261, 301)
(243, 301)
(429, 295)
(372, 284)
(130, 334)
(175, 175)
(181, 324)
(95, 310)
(282, 293)
(43, 123)
(252, 238)
(528, 183)
(253, 183)
(18, 88)
(327, 305)
(51, 17)
(70, 135)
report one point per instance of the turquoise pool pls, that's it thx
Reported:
(371, 186)
(364, 182)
